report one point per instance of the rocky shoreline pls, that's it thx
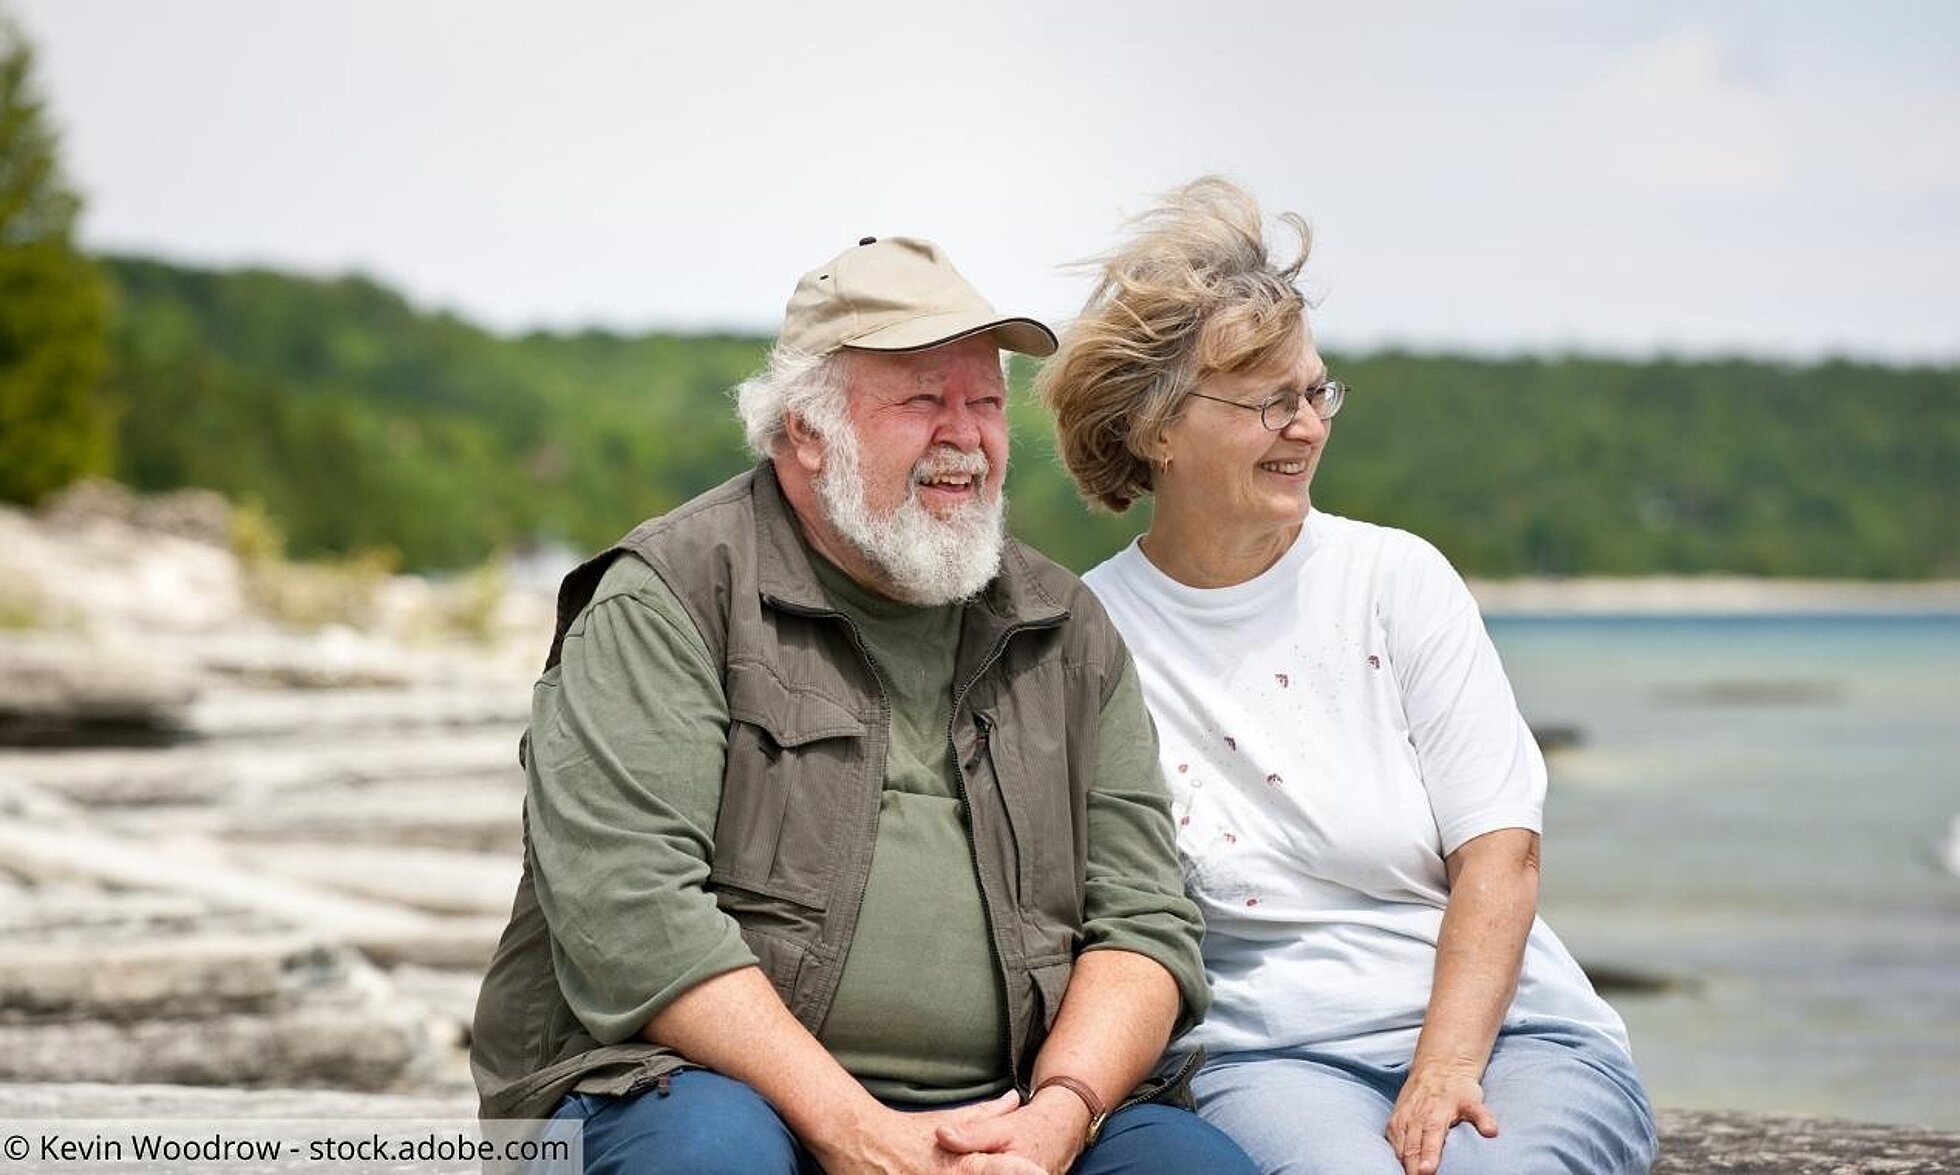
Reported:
(1713, 595)
(235, 852)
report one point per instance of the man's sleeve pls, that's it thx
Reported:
(1134, 899)
(628, 736)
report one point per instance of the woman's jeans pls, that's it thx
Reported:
(1566, 1100)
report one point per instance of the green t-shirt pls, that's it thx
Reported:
(919, 1014)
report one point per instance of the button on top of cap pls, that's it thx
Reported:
(868, 240)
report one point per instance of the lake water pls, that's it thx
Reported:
(1752, 812)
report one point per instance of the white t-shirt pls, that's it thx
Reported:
(1331, 730)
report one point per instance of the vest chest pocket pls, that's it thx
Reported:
(794, 758)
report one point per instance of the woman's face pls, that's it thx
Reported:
(1227, 468)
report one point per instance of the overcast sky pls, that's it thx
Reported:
(1772, 178)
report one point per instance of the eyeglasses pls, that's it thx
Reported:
(1281, 409)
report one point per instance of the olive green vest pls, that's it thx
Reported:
(1038, 659)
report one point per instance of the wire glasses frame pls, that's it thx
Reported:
(1279, 410)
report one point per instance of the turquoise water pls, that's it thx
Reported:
(1752, 812)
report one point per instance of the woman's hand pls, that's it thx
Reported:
(1493, 898)
(1433, 1099)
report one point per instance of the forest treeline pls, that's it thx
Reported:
(359, 422)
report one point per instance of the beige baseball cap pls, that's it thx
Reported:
(897, 294)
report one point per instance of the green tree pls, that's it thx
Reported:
(54, 427)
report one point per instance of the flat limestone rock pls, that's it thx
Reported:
(89, 777)
(167, 978)
(250, 772)
(106, 576)
(449, 996)
(200, 515)
(385, 930)
(441, 815)
(437, 881)
(20, 798)
(230, 1011)
(444, 944)
(83, 1099)
(59, 691)
(260, 713)
(84, 914)
(46, 852)
(1704, 1142)
(361, 1047)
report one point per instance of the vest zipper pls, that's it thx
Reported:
(885, 713)
(1150, 1091)
(973, 848)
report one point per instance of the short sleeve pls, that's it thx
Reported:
(1479, 761)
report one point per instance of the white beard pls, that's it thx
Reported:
(928, 560)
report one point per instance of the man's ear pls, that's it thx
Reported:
(805, 445)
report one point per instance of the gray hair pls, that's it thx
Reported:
(792, 382)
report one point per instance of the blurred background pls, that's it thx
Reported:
(330, 333)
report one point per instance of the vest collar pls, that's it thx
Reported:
(784, 574)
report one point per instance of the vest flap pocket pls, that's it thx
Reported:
(749, 898)
(793, 715)
(795, 760)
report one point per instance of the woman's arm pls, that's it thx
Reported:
(1493, 899)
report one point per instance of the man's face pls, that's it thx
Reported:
(912, 478)
(913, 410)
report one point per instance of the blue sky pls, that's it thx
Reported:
(1773, 179)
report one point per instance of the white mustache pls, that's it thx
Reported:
(944, 461)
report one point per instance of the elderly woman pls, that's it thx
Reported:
(1358, 801)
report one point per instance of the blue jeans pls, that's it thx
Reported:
(706, 1123)
(1567, 1102)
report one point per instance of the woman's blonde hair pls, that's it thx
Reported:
(1194, 291)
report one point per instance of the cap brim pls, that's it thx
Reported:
(1025, 336)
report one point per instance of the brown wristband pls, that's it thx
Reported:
(1080, 1088)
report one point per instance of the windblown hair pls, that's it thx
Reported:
(1194, 291)
(791, 382)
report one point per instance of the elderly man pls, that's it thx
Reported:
(844, 824)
